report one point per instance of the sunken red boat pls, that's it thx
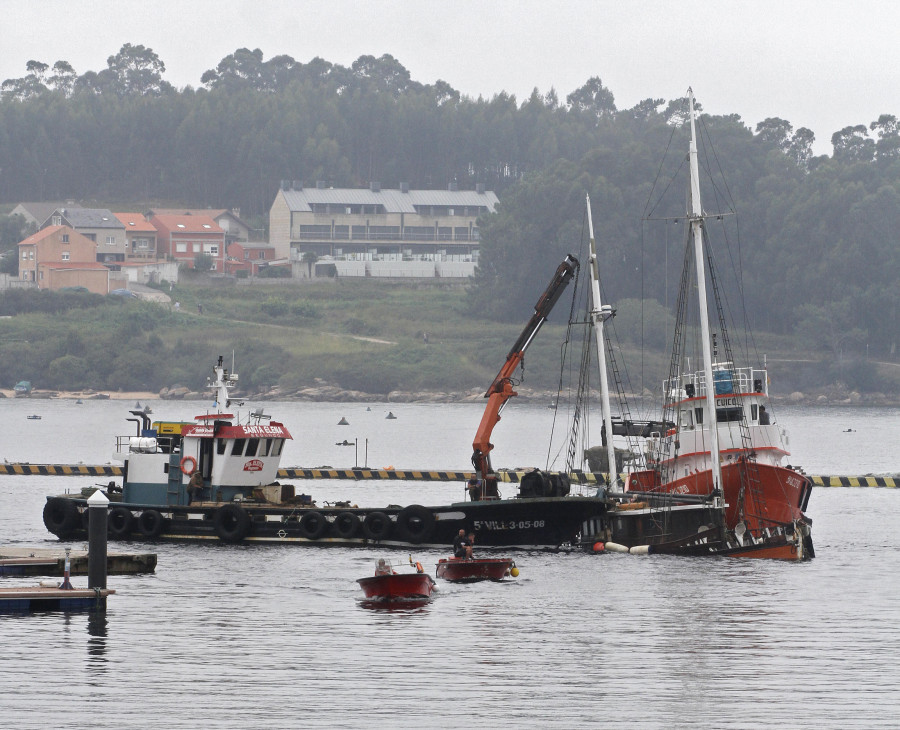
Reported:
(389, 586)
(469, 570)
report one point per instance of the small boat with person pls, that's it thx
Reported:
(471, 570)
(389, 585)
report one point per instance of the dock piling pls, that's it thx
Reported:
(97, 527)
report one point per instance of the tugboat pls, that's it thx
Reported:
(214, 479)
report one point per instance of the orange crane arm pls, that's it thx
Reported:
(501, 390)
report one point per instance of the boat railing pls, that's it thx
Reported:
(726, 380)
(145, 444)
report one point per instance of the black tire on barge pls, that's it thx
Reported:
(61, 517)
(313, 525)
(415, 524)
(120, 523)
(346, 525)
(151, 523)
(377, 526)
(231, 523)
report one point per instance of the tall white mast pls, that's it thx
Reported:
(599, 314)
(696, 219)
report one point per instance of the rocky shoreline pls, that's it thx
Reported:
(324, 392)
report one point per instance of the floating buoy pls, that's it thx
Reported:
(343, 422)
(615, 547)
(138, 405)
(390, 415)
(640, 550)
(599, 547)
(368, 408)
(514, 572)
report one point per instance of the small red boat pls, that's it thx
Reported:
(469, 570)
(389, 586)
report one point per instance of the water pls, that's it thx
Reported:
(276, 637)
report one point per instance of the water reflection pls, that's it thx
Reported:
(97, 630)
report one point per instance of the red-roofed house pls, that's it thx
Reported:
(58, 256)
(182, 237)
(140, 237)
(249, 256)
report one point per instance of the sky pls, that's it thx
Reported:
(819, 64)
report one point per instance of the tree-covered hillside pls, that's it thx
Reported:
(815, 237)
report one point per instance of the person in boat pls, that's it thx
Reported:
(459, 544)
(470, 545)
(764, 416)
(474, 488)
(382, 568)
(195, 487)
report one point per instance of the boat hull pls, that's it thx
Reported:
(757, 494)
(466, 570)
(397, 587)
(543, 523)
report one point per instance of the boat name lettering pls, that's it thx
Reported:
(508, 524)
(262, 430)
(253, 465)
(727, 401)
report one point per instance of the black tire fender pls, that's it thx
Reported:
(346, 524)
(151, 523)
(231, 523)
(377, 526)
(120, 523)
(313, 525)
(415, 523)
(61, 516)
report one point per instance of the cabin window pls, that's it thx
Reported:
(698, 415)
(265, 447)
(754, 408)
(277, 445)
(686, 421)
(728, 415)
(238, 447)
(252, 446)
(220, 446)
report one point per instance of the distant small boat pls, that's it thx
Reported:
(389, 586)
(33, 418)
(470, 570)
(79, 402)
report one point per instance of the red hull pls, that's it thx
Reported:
(762, 494)
(465, 570)
(397, 587)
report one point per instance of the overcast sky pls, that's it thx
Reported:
(817, 63)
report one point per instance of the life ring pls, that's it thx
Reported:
(377, 526)
(346, 524)
(151, 523)
(193, 463)
(415, 523)
(231, 523)
(313, 525)
(61, 516)
(120, 523)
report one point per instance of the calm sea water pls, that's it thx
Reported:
(246, 637)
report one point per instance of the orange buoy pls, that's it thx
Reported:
(599, 547)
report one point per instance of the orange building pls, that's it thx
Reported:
(58, 256)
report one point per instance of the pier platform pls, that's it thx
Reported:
(16, 561)
(417, 475)
(26, 599)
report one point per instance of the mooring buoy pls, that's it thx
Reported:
(390, 415)
(343, 422)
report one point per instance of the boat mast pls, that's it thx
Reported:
(696, 220)
(599, 314)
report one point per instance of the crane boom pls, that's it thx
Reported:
(501, 390)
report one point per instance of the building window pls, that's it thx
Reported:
(65, 256)
(42, 275)
(180, 248)
(92, 236)
(57, 220)
(65, 237)
(110, 240)
(24, 255)
(31, 255)
(262, 254)
(211, 248)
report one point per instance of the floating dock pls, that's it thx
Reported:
(51, 561)
(414, 475)
(26, 599)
